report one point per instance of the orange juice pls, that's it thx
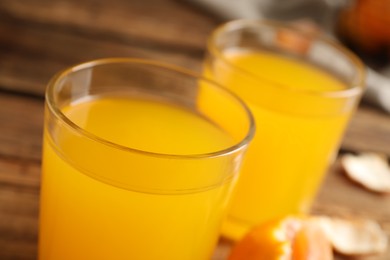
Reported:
(298, 132)
(105, 202)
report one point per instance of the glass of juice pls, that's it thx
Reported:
(137, 163)
(302, 89)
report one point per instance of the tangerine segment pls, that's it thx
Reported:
(311, 243)
(289, 238)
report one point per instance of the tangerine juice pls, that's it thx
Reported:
(94, 204)
(298, 132)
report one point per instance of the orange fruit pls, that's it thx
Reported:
(288, 238)
(365, 23)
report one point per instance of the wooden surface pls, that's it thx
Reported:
(38, 38)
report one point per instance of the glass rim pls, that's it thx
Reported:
(53, 107)
(355, 88)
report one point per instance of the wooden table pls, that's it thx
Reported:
(38, 38)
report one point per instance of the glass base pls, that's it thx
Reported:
(234, 229)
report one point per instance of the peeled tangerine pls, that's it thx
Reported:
(311, 238)
(289, 238)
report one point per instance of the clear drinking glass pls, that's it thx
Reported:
(302, 89)
(137, 164)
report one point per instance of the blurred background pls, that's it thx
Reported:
(170, 30)
(38, 38)
(361, 25)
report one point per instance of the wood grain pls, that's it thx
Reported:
(163, 22)
(55, 50)
(19, 201)
(21, 124)
(369, 130)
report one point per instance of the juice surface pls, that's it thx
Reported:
(296, 134)
(84, 215)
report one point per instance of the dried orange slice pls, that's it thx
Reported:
(289, 238)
